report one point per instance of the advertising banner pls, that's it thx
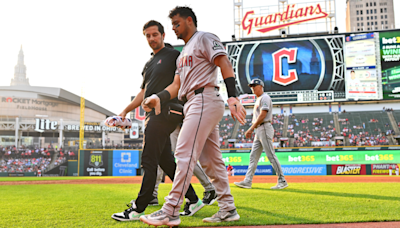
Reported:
(261, 170)
(390, 64)
(349, 170)
(293, 70)
(95, 163)
(328, 157)
(383, 169)
(361, 73)
(134, 131)
(308, 170)
(125, 162)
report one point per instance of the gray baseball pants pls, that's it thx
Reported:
(199, 141)
(198, 171)
(263, 139)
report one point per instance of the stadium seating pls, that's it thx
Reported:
(374, 122)
(307, 129)
(28, 160)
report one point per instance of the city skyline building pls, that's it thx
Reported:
(20, 71)
(369, 15)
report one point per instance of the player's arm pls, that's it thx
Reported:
(259, 120)
(134, 104)
(174, 87)
(236, 108)
(155, 100)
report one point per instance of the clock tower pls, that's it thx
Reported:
(20, 71)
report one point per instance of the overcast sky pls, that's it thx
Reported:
(98, 44)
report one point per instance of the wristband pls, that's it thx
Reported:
(164, 96)
(230, 86)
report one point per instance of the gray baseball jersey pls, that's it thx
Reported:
(195, 64)
(263, 102)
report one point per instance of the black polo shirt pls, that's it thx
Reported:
(159, 73)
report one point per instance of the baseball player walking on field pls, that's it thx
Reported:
(157, 75)
(262, 117)
(210, 196)
(196, 82)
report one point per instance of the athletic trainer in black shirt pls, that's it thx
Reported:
(158, 73)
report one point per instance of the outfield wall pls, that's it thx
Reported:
(108, 162)
(320, 161)
(294, 161)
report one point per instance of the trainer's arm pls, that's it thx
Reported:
(259, 120)
(134, 104)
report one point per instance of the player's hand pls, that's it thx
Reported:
(249, 133)
(237, 110)
(152, 102)
(123, 114)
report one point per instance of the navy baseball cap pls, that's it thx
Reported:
(256, 82)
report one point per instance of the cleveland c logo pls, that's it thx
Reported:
(291, 55)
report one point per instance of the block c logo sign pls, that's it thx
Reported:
(291, 55)
(126, 157)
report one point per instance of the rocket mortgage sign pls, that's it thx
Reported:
(292, 15)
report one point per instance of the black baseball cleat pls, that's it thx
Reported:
(210, 197)
(129, 214)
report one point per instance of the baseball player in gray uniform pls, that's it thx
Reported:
(196, 82)
(210, 196)
(261, 123)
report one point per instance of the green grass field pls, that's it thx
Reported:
(91, 205)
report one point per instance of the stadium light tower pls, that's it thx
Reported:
(282, 31)
(237, 12)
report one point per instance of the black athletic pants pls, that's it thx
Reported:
(157, 151)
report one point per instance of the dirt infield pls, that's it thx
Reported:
(257, 179)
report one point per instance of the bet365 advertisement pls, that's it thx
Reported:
(318, 158)
(390, 63)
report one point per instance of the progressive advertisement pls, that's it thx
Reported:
(318, 158)
(390, 64)
(361, 73)
(309, 170)
(293, 70)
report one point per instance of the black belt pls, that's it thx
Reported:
(197, 91)
(264, 123)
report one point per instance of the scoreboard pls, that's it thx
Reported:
(304, 96)
(290, 97)
(331, 68)
(297, 70)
